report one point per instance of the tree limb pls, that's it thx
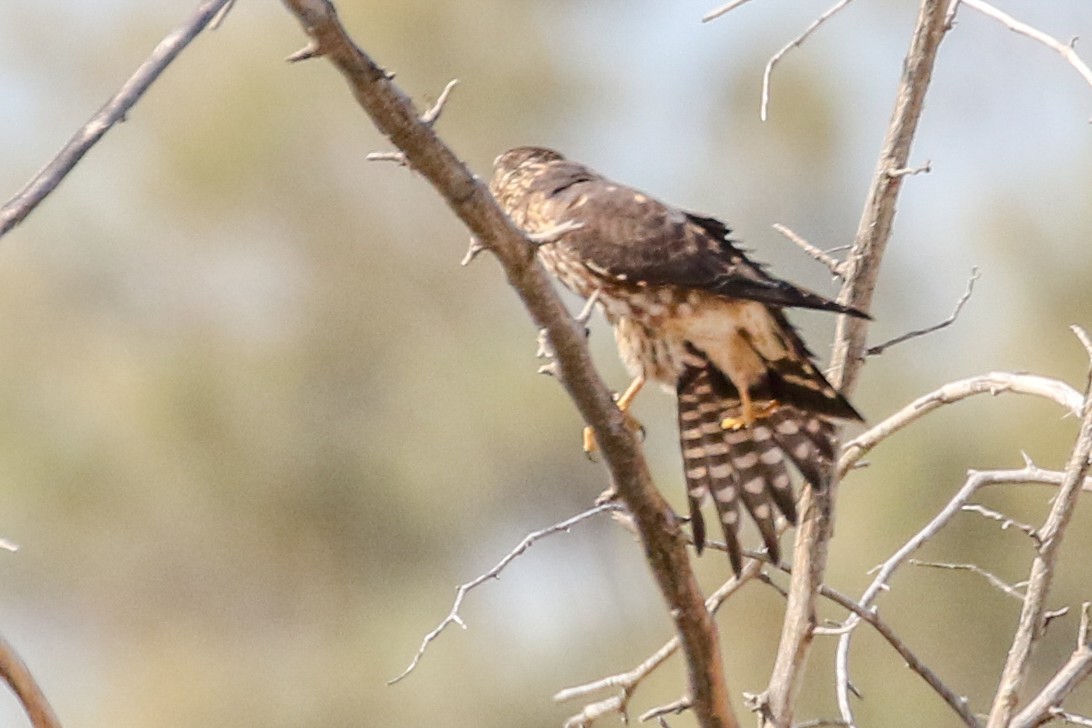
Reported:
(862, 266)
(1030, 626)
(15, 673)
(660, 532)
(43, 183)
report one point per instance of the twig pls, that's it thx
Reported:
(833, 264)
(975, 481)
(221, 15)
(473, 250)
(863, 266)
(794, 43)
(722, 10)
(993, 383)
(453, 616)
(859, 612)
(64, 161)
(1030, 627)
(1071, 718)
(881, 348)
(673, 708)
(1065, 50)
(15, 673)
(1075, 670)
(428, 118)
(627, 682)
(555, 233)
(995, 581)
(909, 171)
(659, 530)
(1005, 521)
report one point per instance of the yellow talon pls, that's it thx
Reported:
(750, 411)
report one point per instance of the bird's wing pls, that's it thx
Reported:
(629, 236)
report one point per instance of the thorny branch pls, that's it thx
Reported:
(528, 541)
(1077, 668)
(15, 673)
(43, 183)
(1030, 627)
(429, 118)
(863, 266)
(881, 348)
(836, 267)
(659, 530)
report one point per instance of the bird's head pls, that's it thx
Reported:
(514, 171)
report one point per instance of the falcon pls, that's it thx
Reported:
(692, 312)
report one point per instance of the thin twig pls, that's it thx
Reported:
(794, 43)
(995, 581)
(626, 683)
(1030, 627)
(975, 481)
(432, 115)
(19, 678)
(833, 264)
(722, 10)
(221, 15)
(908, 171)
(1075, 670)
(428, 118)
(881, 348)
(1065, 50)
(673, 708)
(868, 614)
(1005, 521)
(115, 110)
(453, 616)
(1070, 718)
(864, 262)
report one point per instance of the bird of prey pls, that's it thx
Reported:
(691, 311)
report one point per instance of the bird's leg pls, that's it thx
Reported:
(624, 401)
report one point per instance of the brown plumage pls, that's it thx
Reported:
(690, 311)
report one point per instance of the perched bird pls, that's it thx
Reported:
(692, 312)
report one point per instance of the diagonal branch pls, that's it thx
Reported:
(862, 266)
(1066, 51)
(15, 673)
(881, 348)
(659, 529)
(43, 183)
(1076, 669)
(1030, 627)
(453, 617)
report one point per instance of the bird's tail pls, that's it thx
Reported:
(745, 464)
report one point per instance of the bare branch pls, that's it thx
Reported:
(794, 43)
(673, 708)
(1030, 626)
(1070, 718)
(881, 348)
(1005, 522)
(453, 616)
(15, 673)
(660, 532)
(43, 183)
(221, 15)
(993, 383)
(860, 613)
(995, 581)
(722, 10)
(1065, 50)
(1076, 669)
(627, 682)
(833, 264)
(428, 118)
(863, 266)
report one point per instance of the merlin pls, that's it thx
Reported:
(691, 311)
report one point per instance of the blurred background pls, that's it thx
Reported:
(257, 423)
